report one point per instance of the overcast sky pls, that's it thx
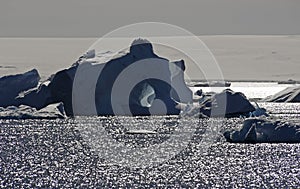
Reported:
(94, 18)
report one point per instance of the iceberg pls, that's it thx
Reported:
(290, 94)
(140, 101)
(58, 89)
(227, 103)
(262, 130)
(11, 86)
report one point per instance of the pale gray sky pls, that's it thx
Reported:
(94, 18)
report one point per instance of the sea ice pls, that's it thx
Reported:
(52, 111)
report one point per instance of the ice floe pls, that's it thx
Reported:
(262, 130)
(52, 111)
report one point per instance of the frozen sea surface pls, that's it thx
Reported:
(53, 153)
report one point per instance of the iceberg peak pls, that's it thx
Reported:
(141, 48)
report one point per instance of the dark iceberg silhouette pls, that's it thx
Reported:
(11, 86)
(290, 94)
(227, 103)
(60, 87)
(58, 90)
(261, 130)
